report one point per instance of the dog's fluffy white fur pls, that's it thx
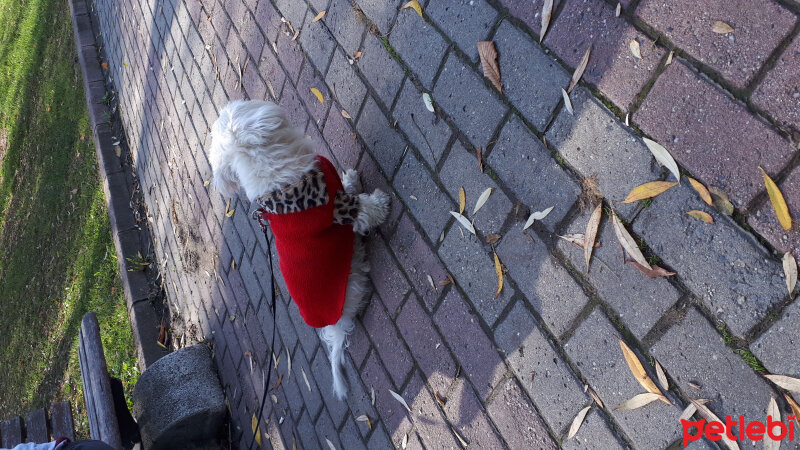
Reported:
(255, 148)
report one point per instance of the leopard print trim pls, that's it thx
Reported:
(307, 193)
(345, 208)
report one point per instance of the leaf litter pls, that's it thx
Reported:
(488, 54)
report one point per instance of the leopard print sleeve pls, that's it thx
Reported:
(309, 192)
(345, 208)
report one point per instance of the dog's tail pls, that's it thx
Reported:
(335, 336)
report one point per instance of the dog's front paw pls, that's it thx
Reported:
(350, 181)
(373, 209)
(382, 202)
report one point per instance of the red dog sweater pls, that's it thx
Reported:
(311, 221)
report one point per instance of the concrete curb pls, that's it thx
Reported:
(129, 240)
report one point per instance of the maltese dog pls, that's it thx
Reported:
(314, 216)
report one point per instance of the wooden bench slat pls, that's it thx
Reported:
(36, 426)
(61, 421)
(11, 432)
(98, 390)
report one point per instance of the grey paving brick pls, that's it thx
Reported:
(381, 70)
(341, 138)
(619, 284)
(341, 19)
(543, 373)
(418, 260)
(693, 351)
(521, 161)
(467, 414)
(379, 440)
(517, 420)
(326, 432)
(596, 353)
(311, 79)
(384, 142)
(317, 42)
(727, 269)
(293, 11)
(419, 44)
(427, 131)
(428, 421)
(476, 114)
(371, 179)
(321, 373)
(594, 433)
(380, 12)
(547, 286)
(350, 437)
(430, 205)
(465, 22)
(461, 170)
(532, 80)
(386, 276)
(375, 377)
(778, 347)
(307, 433)
(387, 342)
(471, 264)
(595, 142)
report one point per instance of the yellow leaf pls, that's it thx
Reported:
(648, 190)
(462, 200)
(704, 194)
(414, 4)
(721, 27)
(319, 16)
(256, 429)
(488, 54)
(638, 371)
(701, 215)
(318, 94)
(498, 268)
(778, 203)
(634, 45)
(207, 182)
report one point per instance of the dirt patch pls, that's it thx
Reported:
(591, 195)
(191, 243)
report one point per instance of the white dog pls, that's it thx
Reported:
(313, 214)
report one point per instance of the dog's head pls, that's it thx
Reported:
(254, 147)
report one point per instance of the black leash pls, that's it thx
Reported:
(264, 224)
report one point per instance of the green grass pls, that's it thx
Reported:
(56, 255)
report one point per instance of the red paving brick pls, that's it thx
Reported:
(695, 120)
(758, 29)
(612, 67)
(779, 92)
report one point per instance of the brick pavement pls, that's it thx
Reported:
(510, 372)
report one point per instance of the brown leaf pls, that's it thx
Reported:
(498, 268)
(653, 272)
(701, 215)
(778, 203)
(319, 16)
(576, 76)
(710, 416)
(547, 13)
(721, 27)
(721, 201)
(277, 383)
(595, 397)
(704, 194)
(479, 152)
(649, 190)
(488, 54)
(439, 399)
(462, 200)
(162, 333)
(794, 407)
(104, 65)
(492, 238)
(627, 242)
(591, 234)
(638, 371)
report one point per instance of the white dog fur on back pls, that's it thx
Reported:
(255, 148)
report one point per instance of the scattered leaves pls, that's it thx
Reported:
(591, 234)
(576, 76)
(319, 16)
(721, 201)
(653, 272)
(463, 221)
(426, 98)
(577, 422)
(627, 242)
(790, 270)
(635, 49)
(778, 203)
(488, 55)
(318, 94)
(639, 373)
(256, 429)
(414, 4)
(649, 190)
(704, 194)
(538, 215)
(482, 199)
(462, 200)
(710, 416)
(400, 399)
(788, 383)
(567, 102)
(547, 13)
(721, 27)
(663, 157)
(498, 269)
(639, 400)
(701, 215)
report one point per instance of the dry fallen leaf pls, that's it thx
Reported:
(104, 65)
(256, 429)
(426, 98)
(330, 444)
(794, 407)
(649, 190)
(662, 377)
(463, 221)
(704, 194)
(701, 215)
(479, 152)
(576, 76)
(364, 418)
(786, 382)
(721, 201)
(414, 4)
(492, 238)
(404, 444)
(577, 422)
(639, 373)
(775, 413)
(277, 383)
(462, 200)
(547, 13)
(639, 400)
(461, 440)
(538, 215)
(400, 399)
(207, 182)
(663, 157)
(721, 27)
(567, 102)
(591, 234)
(595, 397)
(653, 272)
(627, 242)
(346, 115)
(229, 212)
(688, 412)
(669, 58)
(319, 16)
(635, 49)
(790, 270)
(618, 10)
(482, 200)
(710, 416)
(318, 94)
(498, 269)
(778, 203)
(488, 55)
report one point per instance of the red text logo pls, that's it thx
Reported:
(737, 430)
